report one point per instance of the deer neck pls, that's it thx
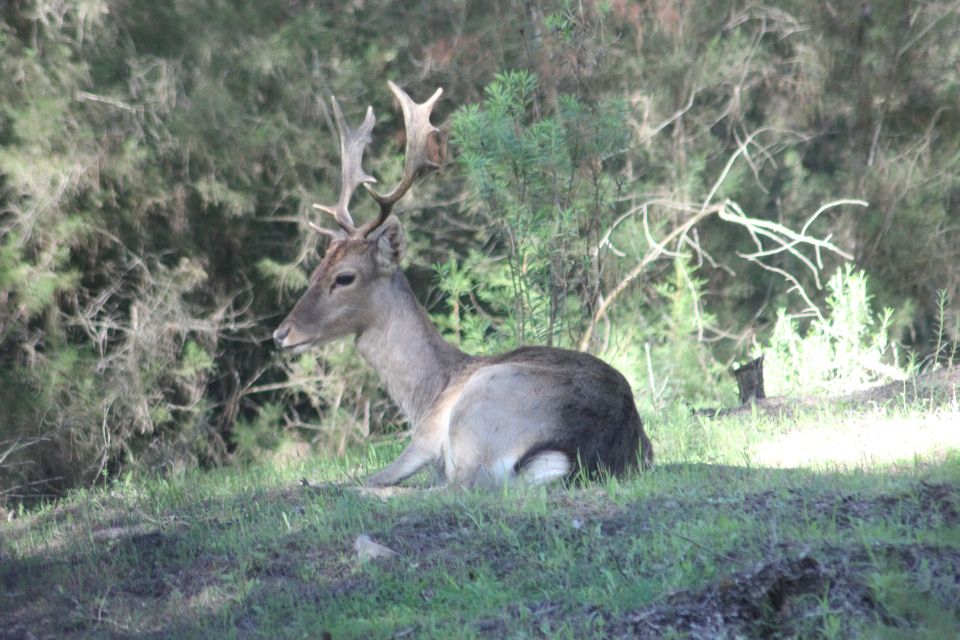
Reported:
(407, 351)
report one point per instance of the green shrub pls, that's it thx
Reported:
(547, 183)
(846, 348)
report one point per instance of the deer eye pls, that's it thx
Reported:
(344, 279)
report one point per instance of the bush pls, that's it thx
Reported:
(548, 183)
(845, 349)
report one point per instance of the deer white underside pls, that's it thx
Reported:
(546, 467)
(542, 468)
(477, 441)
(461, 468)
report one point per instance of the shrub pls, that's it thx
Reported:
(844, 349)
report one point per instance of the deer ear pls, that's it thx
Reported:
(390, 243)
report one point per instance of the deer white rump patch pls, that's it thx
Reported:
(546, 467)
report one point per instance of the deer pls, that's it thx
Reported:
(532, 415)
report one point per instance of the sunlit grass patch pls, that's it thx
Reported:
(865, 440)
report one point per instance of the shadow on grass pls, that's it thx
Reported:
(690, 548)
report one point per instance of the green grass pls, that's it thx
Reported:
(723, 537)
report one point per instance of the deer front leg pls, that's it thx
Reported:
(414, 458)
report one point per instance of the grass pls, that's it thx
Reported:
(733, 534)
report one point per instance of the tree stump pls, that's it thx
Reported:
(750, 381)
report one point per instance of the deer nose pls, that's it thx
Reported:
(279, 335)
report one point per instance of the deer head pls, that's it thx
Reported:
(345, 294)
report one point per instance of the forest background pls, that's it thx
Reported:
(674, 185)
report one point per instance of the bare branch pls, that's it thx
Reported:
(785, 239)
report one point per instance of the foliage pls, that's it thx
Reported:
(156, 180)
(543, 182)
(668, 354)
(844, 350)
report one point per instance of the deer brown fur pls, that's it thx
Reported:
(534, 414)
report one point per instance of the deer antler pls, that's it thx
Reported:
(352, 175)
(416, 120)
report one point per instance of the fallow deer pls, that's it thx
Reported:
(534, 414)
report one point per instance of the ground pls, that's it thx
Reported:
(809, 519)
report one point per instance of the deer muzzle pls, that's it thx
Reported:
(280, 335)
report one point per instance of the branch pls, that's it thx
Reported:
(84, 96)
(651, 255)
(785, 238)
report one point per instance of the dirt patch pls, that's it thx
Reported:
(781, 597)
(942, 498)
(785, 597)
(938, 387)
(750, 604)
(417, 535)
(929, 505)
